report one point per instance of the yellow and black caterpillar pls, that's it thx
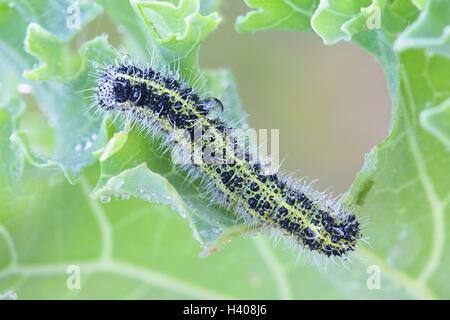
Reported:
(164, 104)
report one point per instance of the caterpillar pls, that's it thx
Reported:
(163, 103)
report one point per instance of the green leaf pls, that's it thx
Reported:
(63, 75)
(11, 160)
(132, 34)
(407, 178)
(341, 20)
(436, 121)
(419, 3)
(59, 62)
(333, 20)
(15, 16)
(430, 32)
(283, 15)
(177, 31)
(64, 97)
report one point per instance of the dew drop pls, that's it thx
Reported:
(104, 198)
(88, 145)
(17, 170)
(121, 29)
(24, 88)
(115, 184)
(124, 196)
(214, 107)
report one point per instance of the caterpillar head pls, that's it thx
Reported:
(113, 90)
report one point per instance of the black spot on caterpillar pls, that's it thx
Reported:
(162, 104)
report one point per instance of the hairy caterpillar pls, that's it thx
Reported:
(161, 103)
